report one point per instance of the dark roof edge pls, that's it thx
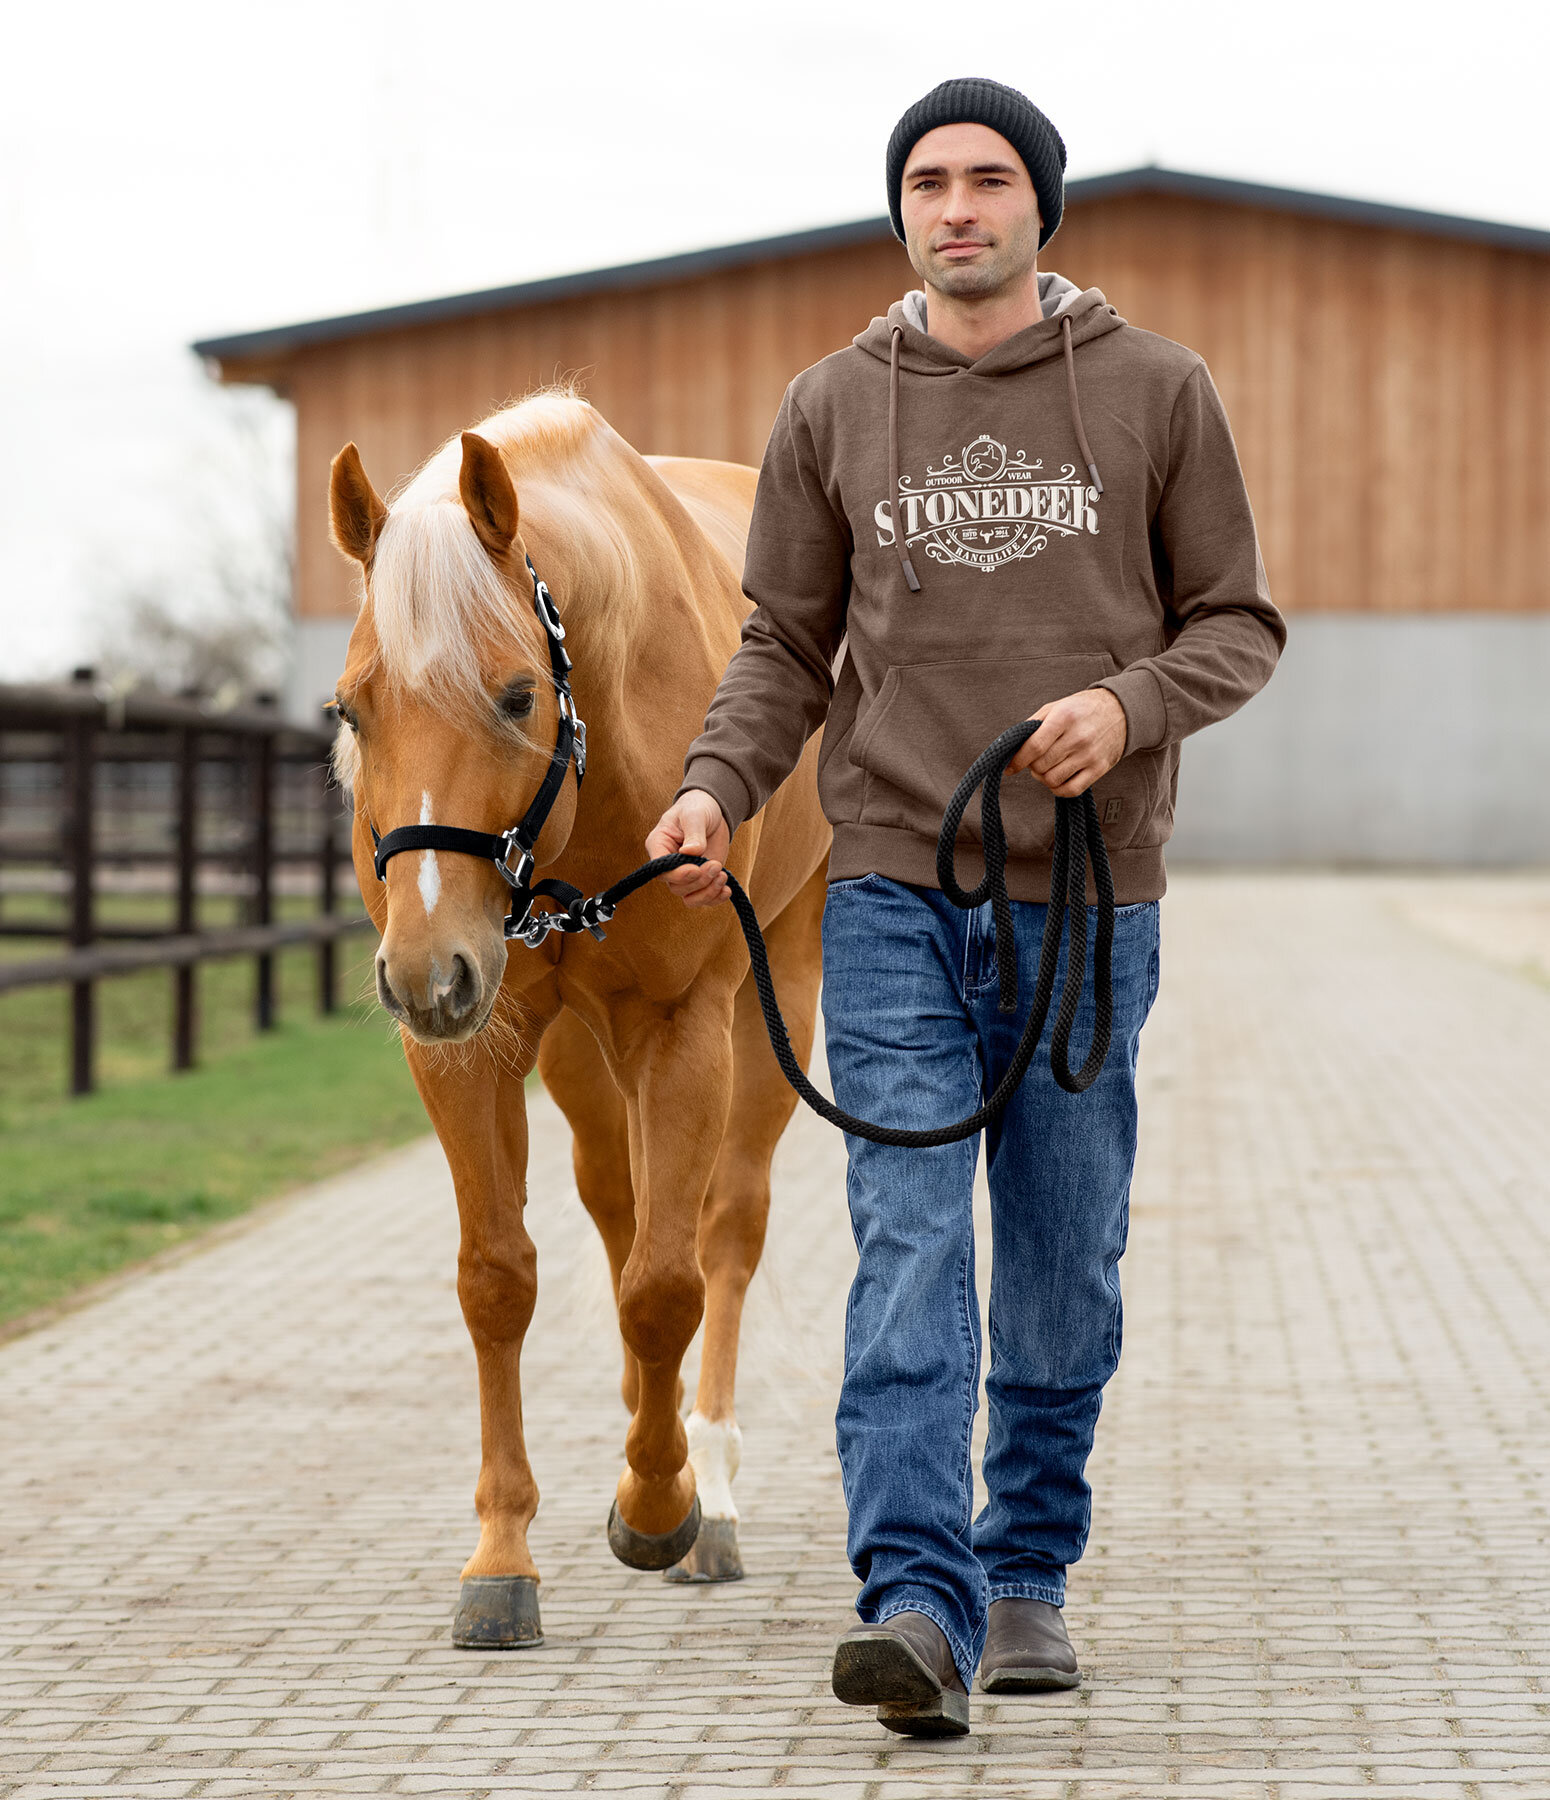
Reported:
(1156, 180)
(282, 339)
(683, 267)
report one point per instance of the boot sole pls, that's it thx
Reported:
(946, 1716)
(1028, 1679)
(881, 1670)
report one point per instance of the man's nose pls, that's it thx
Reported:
(962, 207)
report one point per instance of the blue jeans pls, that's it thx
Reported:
(915, 1039)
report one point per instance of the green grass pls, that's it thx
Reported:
(134, 1012)
(89, 1186)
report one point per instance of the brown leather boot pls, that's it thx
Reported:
(904, 1668)
(1026, 1649)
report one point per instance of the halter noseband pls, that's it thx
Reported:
(512, 851)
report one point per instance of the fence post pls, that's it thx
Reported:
(262, 909)
(188, 858)
(328, 973)
(79, 746)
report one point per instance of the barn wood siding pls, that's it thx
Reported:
(1390, 391)
(696, 368)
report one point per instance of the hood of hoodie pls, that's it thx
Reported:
(1087, 312)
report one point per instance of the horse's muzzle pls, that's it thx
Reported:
(443, 1003)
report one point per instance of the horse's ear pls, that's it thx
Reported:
(355, 513)
(487, 493)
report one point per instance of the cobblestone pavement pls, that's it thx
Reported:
(235, 1492)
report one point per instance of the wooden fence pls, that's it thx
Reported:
(171, 796)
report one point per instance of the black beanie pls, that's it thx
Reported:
(974, 100)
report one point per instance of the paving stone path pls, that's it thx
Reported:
(235, 1491)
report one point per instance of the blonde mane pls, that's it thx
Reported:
(437, 598)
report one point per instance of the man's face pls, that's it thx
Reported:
(971, 217)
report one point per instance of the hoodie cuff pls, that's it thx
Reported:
(723, 785)
(1146, 712)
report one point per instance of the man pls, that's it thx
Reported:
(1005, 502)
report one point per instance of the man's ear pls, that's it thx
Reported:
(487, 493)
(355, 513)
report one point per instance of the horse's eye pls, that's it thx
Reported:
(343, 712)
(517, 701)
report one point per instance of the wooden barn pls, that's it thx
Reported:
(1387, 373)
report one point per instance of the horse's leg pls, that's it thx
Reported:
(477, 1107)
(674, 1067)
(576, 1075)
(731, 1237)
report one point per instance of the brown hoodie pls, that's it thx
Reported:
(1069, 513)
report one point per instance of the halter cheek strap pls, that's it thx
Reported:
(511, 851)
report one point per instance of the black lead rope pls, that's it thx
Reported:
(1077, 836)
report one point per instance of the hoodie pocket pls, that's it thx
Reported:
(929, 722)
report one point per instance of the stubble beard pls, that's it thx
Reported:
(1006, 262)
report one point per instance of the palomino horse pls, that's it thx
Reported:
(651, 1041)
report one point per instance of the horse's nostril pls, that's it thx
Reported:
(388, 999)
(464, 996)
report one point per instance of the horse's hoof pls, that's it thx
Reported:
(714, 1556)
(642, 1550)
(497, 1612)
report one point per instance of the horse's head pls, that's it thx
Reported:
(449, 716)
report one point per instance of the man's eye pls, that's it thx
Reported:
(517, 701)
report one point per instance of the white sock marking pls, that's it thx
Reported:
(430, 875)
(715, 1450)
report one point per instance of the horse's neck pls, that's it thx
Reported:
(583, 551)
(631, 572)
(636, 585)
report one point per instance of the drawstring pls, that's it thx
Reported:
(893, 440)
(1076, 410)
(893, 463)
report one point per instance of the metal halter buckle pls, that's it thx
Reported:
(548, 612)
(578, 729)
(518, 877)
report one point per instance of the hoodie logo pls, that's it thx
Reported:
(989, 505)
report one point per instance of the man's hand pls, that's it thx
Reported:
(693, 824)
(1079, 739)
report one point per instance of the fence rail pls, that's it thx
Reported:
(64, 746)
(173, 952)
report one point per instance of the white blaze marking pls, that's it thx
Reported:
(715, 1451)
(430, 875)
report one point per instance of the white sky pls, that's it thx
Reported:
(173, 171)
